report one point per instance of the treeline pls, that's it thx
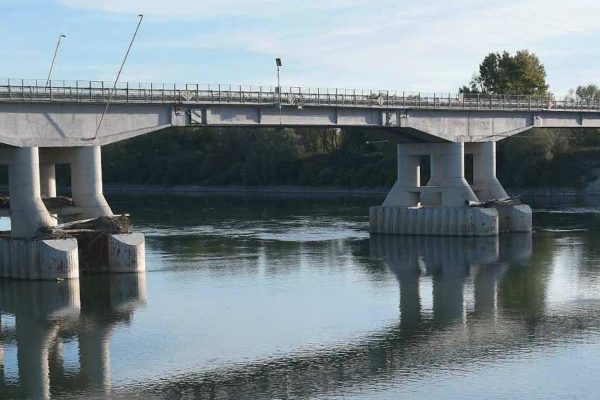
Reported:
(252, 156)
(329, 157)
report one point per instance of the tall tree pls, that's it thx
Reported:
(504, 73)
(588, 92)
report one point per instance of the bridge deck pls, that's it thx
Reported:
(21, 90)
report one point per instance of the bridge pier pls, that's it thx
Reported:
(441, 207)
(27, 211)
(47, 180)
(31, 250)
(86, 182)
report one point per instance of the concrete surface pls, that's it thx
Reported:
(436, 221)
(49, 259)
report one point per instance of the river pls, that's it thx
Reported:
(250, 297)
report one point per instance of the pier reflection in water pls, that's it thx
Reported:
(451, 262)
(46, 315)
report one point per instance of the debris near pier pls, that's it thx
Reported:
(505, 202)
(53, 203)
(100, 226)
(113, 224)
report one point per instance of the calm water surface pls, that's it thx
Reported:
(254, 298)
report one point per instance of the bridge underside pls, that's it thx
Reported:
(68, 124)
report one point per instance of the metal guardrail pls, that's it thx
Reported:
(34, 90)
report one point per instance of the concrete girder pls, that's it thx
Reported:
(55, 124)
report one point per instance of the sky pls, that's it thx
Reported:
(412, 45)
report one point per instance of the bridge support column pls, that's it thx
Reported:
(86, 182)
(28, 213)
(47, 180)
(436, 169)
(408, 178)
(487, 187)
(485, 183)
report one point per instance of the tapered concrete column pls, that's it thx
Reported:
(28, 213)
(452, 163)
(408, 178)
(86, 182)
(485, 183)
(436, 178)
(48, 180)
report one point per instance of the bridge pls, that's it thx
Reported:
(44, 123)
(66, 113)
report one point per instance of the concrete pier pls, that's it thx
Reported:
(86, 182)
(27, 212)
(48, 180)
(442, 206)
(32, 250)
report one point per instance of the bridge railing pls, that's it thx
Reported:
(35, 90)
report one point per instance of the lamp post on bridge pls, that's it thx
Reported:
(54, 58)
(278, 63)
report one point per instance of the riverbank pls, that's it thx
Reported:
(262, 190)
(306, 190)
(315, 190)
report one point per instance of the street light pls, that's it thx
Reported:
(54, 58)
(278, 63)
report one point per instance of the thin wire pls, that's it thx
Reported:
(114, 89)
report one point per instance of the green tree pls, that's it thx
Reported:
(588, 92)
(521, 74)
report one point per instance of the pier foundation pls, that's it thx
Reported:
(447, 205)
(37, 247)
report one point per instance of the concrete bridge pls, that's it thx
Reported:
(47, 123)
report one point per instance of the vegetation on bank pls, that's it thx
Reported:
(330, 157)
(354, 157)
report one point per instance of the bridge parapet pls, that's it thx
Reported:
(37, 90)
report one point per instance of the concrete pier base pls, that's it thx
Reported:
(515, 218)
(450, 221)
(111, 253)
(442, 221)
(37, 259)
(126, 253)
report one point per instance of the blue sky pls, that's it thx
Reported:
(433, 45)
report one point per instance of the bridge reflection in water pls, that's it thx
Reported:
(47, 315)
(466, 323)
